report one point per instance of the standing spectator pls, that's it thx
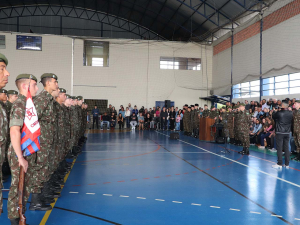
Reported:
(105, 120)
(153, 111)
(130, 108)
(127, 117)
(109, 110)
(181, 116)
(95, 113)
(148, 120)
(247, 105)
(153, 121)
(172, 115)
(178, 119)
(264, 104)
(120, 120)
(283, 120)
(164, 118)
(114, 111)
(133, 121)
(135, 110)
(176, 111)
(141, 121)
(113, 120)
(157, 112)
(121, 106)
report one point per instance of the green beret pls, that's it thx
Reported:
(3, 91)
(212, 107)
(186, 105)
(4, 59)
(49, 75)
(189, 107)
(26, 76)
(229, 107)
(12, 92)
(68, 96)
(196, 104)
(79, 98)
(241, 104)
(74, 97)
(62, 90)
(205, 105)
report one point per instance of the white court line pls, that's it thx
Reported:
(216, 207)
(234, 209)
(297, 219)
(140, 197)
(107, 194)
(124, 196)
(5, 189)
(196, 204)
(255, 212)
(176, 202)
(276, 215)
(161, 200)
(90, 193)
(73, 192)
(278, 178)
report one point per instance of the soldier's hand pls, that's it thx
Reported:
(24, 164)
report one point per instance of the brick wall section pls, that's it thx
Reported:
(288, 11)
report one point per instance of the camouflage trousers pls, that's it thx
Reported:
(244, 137)
(297, 140)
(13, 198)
(2, 157)
(41, 168)
(189, 126)
(231, 132)
(225, 132)
(236, 134)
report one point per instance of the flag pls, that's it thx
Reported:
(30, 137)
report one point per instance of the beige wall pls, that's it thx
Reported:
(133, 74)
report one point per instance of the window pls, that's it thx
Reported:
(179, 63)
(2, 42)
(33, 43)
(246, 90)
(96, 53)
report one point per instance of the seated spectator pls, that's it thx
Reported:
(255, 112)
(133, 120)
(256, 128)
(148, 120)
(127, 117)
(141, 121)
(105, 120)
(178, 119)
(266, 113)
(267, 132)
(260, 114)
(120, 120)
(153, 122)
(113, 120)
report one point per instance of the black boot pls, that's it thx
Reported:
(241, 152)
(246, 152)
(37, 204)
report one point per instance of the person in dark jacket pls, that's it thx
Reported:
(283, 124)
(164, 118)
(172, 117)
(105, 119)
(95, 113)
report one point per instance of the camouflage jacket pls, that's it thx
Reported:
(67, 121)
(3, 124)
(205, 113)
(296, 121)
(244, 121)
(214, 114)
(73, 120)
(187, 116)
(59, 123)
(196, 114)
(44, 107)
(224, 116)
(230, 117)
(79, 121)
(8, 110)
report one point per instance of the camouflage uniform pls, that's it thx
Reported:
(230, 117)
(188, 122)
(224, 121)
(8, 110)
(214, 114)
(16, 119)
(205, 113)
(3, 137)
(59, 135)
(196, 119)
(235, 127)
(67, 125)
(296, 130)
(244, 128)
(74, 125)
(44, 107)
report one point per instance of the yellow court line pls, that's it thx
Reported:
(47, 214)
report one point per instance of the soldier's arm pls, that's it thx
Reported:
(15, 136)
(40, 106)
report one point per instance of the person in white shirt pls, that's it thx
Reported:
(127, 117)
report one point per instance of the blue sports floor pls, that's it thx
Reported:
(143, 177)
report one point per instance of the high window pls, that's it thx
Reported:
(96, 53)
(180, 63)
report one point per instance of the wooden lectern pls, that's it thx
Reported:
(205, 129)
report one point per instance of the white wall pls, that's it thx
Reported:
(133, 74)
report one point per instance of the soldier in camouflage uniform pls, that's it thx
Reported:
(192, 113)
(74, 125)
(235, 126)
(196, 119)
(17, 117)
(67, 119)
(214, 114)
(4, 74)
(296, 130)
(206, 112)
(244, 124)
(188, 121)
(230, 124)
(45, 110)
(224, 120)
